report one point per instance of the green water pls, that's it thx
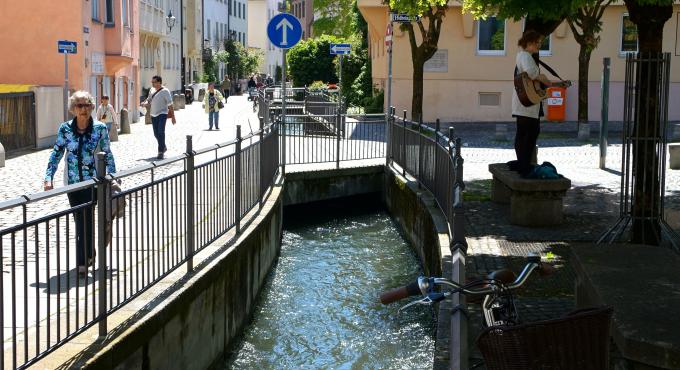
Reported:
(319, 309)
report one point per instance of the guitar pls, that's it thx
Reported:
(533, 91)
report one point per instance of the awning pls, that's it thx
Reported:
(14, 88)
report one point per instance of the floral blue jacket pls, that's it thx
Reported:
(80, 151)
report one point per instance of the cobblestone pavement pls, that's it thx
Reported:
(591, 206)
(24, 172)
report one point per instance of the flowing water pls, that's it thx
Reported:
(319, 308)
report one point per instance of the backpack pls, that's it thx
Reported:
(544, 171)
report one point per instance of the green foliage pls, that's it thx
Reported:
(362, 87)
(375, 104)
(330, 17)
(416, 7)
(278, 74)
(518, 9)
(240, 61)
(317, 86)
(209, 70)
(310, 60)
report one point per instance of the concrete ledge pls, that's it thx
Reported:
(313, 186)
(186, 321)
(425, 227)
(533, 202)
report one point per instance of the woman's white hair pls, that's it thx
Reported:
(78, 95)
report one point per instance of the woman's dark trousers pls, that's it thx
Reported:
(84, 218)
(525, 142)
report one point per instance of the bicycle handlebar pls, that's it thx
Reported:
(423, 285)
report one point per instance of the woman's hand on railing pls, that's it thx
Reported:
(48, 186)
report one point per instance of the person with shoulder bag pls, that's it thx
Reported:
(107, 114)
(213, 103)
(159, 106)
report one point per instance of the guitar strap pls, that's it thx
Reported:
(552, 71)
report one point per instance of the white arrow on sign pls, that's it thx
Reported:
(336, 49)
(285, 25)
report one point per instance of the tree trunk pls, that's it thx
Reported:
(650, 21)
(583, 65)
(417, 100)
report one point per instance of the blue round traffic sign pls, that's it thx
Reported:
(284, 30)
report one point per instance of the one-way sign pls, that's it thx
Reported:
(67, 47)
(404, 18)
(341, 49)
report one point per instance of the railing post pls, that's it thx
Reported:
(389, 147)
(103, 217)
(283, 145)
(337, 141)
(190, 204)
(420, 151)
(237, 180)
(604, 115)
(403, 148)
(437, 127)
(262, 160)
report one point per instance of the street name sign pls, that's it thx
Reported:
(67, 47)
(404, 18)
(284, 30)
(341, 49)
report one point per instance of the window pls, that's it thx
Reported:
(491, 36)
(95, 9)
(238, 5)
(109, 12)
(303, 8)
(629, 36)
(208, 33)
(125, 11)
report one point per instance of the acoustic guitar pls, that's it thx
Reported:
(533, 91)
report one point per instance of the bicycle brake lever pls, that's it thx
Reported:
(424, 301)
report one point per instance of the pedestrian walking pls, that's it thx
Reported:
(106, 114)
(159, 106)
(213, 103)
(226, 85)
(79, 139)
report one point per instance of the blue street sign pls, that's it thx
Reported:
(67, 47)
(341, 49)
(284, 30)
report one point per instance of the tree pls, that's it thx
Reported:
(649, 16)
(310, 60)
(587, 19)
(431, 13)
(330, 17)
(240, 61)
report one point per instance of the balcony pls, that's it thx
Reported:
(151, 18)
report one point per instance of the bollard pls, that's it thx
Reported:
(534, 156)
(604, 114)
(2, 155)
(113, 133)
(501, 132)
(124, 121)
(175, 102)
(182, 101)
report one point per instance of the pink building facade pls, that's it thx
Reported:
(107, 34)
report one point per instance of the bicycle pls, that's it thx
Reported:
(253, 95)
(505, 342)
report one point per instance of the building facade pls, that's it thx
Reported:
(470, 77)
(106, 62)
(304, 11)
(224, 19)
(257, 34)
(159, 45)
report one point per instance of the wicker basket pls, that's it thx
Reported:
(580, 340)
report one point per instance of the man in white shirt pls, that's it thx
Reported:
(106, 114)
(159, 106)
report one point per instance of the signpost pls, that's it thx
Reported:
(340, 50)
(284, 31)
(66, 47)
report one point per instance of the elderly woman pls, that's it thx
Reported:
(80, 138)
(212, 101)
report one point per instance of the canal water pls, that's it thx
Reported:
(319, 308)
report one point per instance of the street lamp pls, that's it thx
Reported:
(170, 20)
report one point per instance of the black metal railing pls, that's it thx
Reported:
(434, 160)
(173, 209)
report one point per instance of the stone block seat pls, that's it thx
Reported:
(640, 282)
(533, 202)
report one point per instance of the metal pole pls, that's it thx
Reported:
(237, 177)
(190, 204)
(65, 98)
(604, 115)
(403, 148)
(340, 89)
(102, 219)
(389, 74)
(283, 112)
(337, 141)
(181, 44)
